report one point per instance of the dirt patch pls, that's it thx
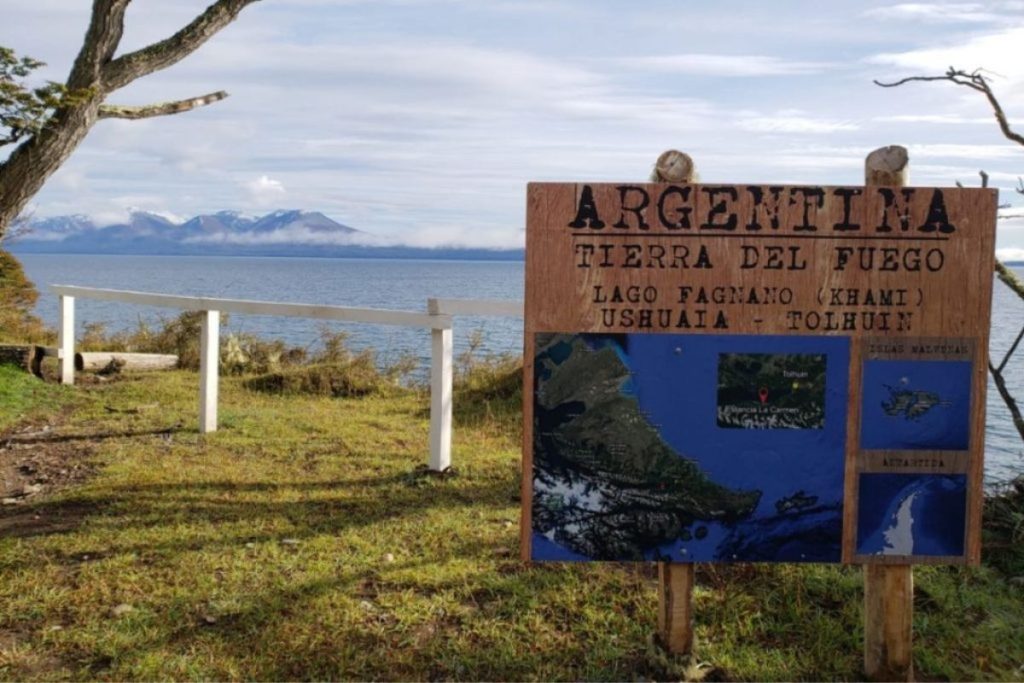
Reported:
(35, 460)
(18, 660)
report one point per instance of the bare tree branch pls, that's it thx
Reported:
(126, 68)
(974, 80)
(1008, 399)
(73, 108)
(113, 111)
(106, 26)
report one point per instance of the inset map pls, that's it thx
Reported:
(916, 405)
(911, 514)
(630, 463)
(771, 391)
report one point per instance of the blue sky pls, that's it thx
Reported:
(421, 121)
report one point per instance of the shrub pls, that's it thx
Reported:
(334, 370)
(17, 297)
(1003, 528)
(357, 377)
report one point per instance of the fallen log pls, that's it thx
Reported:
(126, 361)
(16, 354)
(38, 354)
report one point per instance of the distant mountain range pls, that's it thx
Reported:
(227, 233)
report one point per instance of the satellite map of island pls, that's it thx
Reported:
(916, 405)
(771, 391)
(688, 447)
(911, 514)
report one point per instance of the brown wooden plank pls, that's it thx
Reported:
(888, 596)
(806, 262)
(848, 263)
(888, 589)
(851, 482)
(675, 606)
(907, 462)
(910, 559)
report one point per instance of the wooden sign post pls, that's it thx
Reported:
(888, 589)
(756, 373)
(675, 579)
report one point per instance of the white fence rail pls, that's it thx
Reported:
(438, 319)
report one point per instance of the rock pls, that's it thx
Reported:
(509, 525)
(388, 558)
(209, 619)
(10, 501)
(122, 609)
(290, 541)
(1017, 581)
(31, 489)
(250, 546)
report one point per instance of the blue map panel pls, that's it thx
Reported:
(703, 448)
(916, 405)
(911, 514)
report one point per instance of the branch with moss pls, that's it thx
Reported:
(113, 111)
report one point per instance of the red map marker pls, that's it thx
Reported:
(763, 395)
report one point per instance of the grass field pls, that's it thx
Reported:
(304, 541)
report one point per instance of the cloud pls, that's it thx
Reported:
(294, 235)
(788, 121)
(110, 216)
(1010, 254)
(951, 119)
(265, 191)
(451, 235)
(702, 64)
(999, 52)
(423, 120)
(958, 151)
(938, 12)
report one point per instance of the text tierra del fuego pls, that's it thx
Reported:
(812, 259)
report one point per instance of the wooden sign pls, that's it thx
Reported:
(722, 373)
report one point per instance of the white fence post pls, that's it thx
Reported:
(66, 340)
(440, 394)
(209, 361)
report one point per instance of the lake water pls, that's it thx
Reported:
(401, 285)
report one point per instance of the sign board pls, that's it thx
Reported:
(720, 373)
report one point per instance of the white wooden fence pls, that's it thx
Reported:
(438, 319)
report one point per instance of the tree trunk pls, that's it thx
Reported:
(31, 164)
(128, 361)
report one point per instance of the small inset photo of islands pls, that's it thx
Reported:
(911, 515)
(771, 390)
(915, 405)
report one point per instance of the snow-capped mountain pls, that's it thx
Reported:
(147, 232)
(225, 233)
